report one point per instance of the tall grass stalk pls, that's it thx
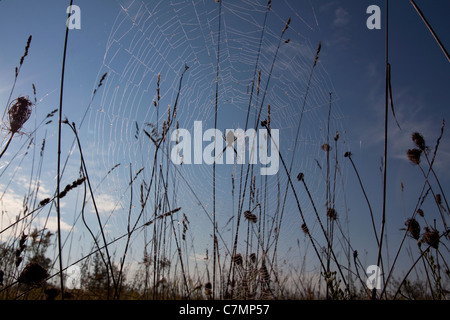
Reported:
(58, 176)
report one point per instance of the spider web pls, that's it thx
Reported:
(160, 37)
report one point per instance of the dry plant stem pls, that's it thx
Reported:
(88, 255)
(367, 199)
(58, 177)
(214, 155)
(118, 288)
(241, 199)
(324, 231)
(298, 202)
(176, 240)
(438, 182)
(386, 112)
(414, 264)
(27, 47)
(108, 256)
(447, 55)
(7, 144)
(296, 138)
(418, 203)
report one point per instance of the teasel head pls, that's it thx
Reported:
(19, 113)
(413, 228)
(414, 155)
(419, 141)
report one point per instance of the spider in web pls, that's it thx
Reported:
(230, 138)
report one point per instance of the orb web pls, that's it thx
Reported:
(151, 38)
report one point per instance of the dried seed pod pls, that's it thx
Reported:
(414, 155)
(331, 213)
(413, 227)
(250, 216)
(420, 212)
(305, 228)
(44, 202)
(300, 176)
(33, 274)
(326, 147)
(238, 259)
(19, 113)
(431, 237)
(208, 288)
(438, 199)
(419, 141)
(347, 154)
(336, 136)
(264, 273)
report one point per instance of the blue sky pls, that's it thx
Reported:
(167, 35)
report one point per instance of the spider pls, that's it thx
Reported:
(230, 138)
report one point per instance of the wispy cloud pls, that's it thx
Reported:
(341, 17)
(106, 203)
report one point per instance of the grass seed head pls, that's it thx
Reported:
(305, 228)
